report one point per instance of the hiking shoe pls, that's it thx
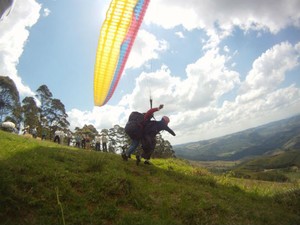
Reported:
(125, 157)
(138, 160)
(147, 162)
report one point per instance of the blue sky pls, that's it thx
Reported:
(218, 66)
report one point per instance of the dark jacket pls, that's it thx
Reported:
(151, 129)
(135, 126)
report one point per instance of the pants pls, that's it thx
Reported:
(97, 146)
(104, 147)
(148, 145)
(57, 139)
(134, 144)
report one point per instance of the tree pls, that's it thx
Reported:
(117, 138)
(52, 111)
(57, 116)
(9, 100)
(44, 95)
(31, 113)
(163, 148)
(87, 130)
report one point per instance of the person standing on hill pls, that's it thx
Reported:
(83, 144)
(151, 129)
(44, 134)
(135, 128)
(97, 141)
(34, 132)
(77, 141)
(104, 143)
(57, 136)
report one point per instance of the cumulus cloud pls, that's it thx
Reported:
(104, 117)
(262, 98)
(179, 34)
(46, 12)
(218, 18)
(145, 48)
(23, 16)
(208, 79)
(269, 71)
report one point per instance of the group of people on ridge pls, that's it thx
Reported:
(98, 140)
(142, 129)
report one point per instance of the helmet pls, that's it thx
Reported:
(166, 119)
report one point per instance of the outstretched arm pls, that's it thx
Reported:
(170, 130)
(150, 112)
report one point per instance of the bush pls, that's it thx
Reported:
(272, 176)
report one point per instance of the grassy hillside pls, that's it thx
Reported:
(283, 166)
(45, 183)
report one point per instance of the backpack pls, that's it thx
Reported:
(134, 126)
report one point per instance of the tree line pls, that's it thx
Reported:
(47, 114)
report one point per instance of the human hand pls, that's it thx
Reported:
(161, 106)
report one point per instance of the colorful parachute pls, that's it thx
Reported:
(118, 33)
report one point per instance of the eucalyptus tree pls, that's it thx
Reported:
(57, 116)
(117, 138)
(112, 143)
(31, 113)
(44, 95)
(163, 148)
(9, 101)
(52, 111)
(87, 130)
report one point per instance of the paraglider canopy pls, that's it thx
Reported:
(117, 36)
(5, 8)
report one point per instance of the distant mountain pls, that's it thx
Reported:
(262, 140)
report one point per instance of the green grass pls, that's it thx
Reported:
(45, 183)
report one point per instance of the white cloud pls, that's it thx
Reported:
(145, 48)
(218, 18)
(179, 34)
(46, 12)
(178, 13)
(226, 49)
(208, 79)
(269, 71)
(105, 117)
(23, 16)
